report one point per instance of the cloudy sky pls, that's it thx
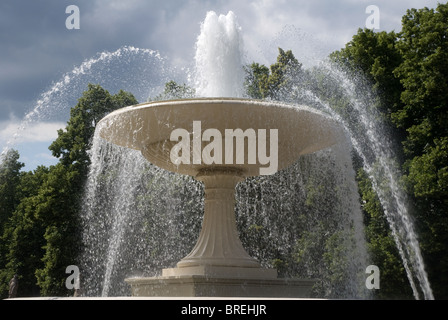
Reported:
(42, 63)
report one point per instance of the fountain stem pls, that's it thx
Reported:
(218, 243)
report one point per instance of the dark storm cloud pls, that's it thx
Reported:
(37, 49)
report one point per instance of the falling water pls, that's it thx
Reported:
(135, 219)
(371, 140)
(139, 219)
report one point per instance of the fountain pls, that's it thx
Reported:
(218, 264)
(189, 138)
(219, 140)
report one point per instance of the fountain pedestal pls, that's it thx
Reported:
(218, 265)
(218, 243)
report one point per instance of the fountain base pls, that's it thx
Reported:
(221, 272)
(205, 286)
(220, 281)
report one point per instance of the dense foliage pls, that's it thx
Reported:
(40, 224)
(409, 71)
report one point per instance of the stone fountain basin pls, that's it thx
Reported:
(218, 256)
(147, 127)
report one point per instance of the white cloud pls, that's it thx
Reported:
(34, 154)
(15, 132)
(31, 140)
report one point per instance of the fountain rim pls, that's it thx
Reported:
(217, 100)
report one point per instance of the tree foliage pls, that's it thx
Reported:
(173, 91)
(409, 70)
(408, 75)
(9, 179)
(73, 143)
(276, 82)
(375, 55)
(22, 236)
(41, 236)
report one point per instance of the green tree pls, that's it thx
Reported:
(257, 76)
(73, 143)
(58, 208)
(9, 200)
(23, 236)
(42, 235)
(409, 73)
(275, 83)
(9, 180)
(382, 248)
(423, 44)
(173, 91)
(371, 58)
(61, 194)
(376, 56)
